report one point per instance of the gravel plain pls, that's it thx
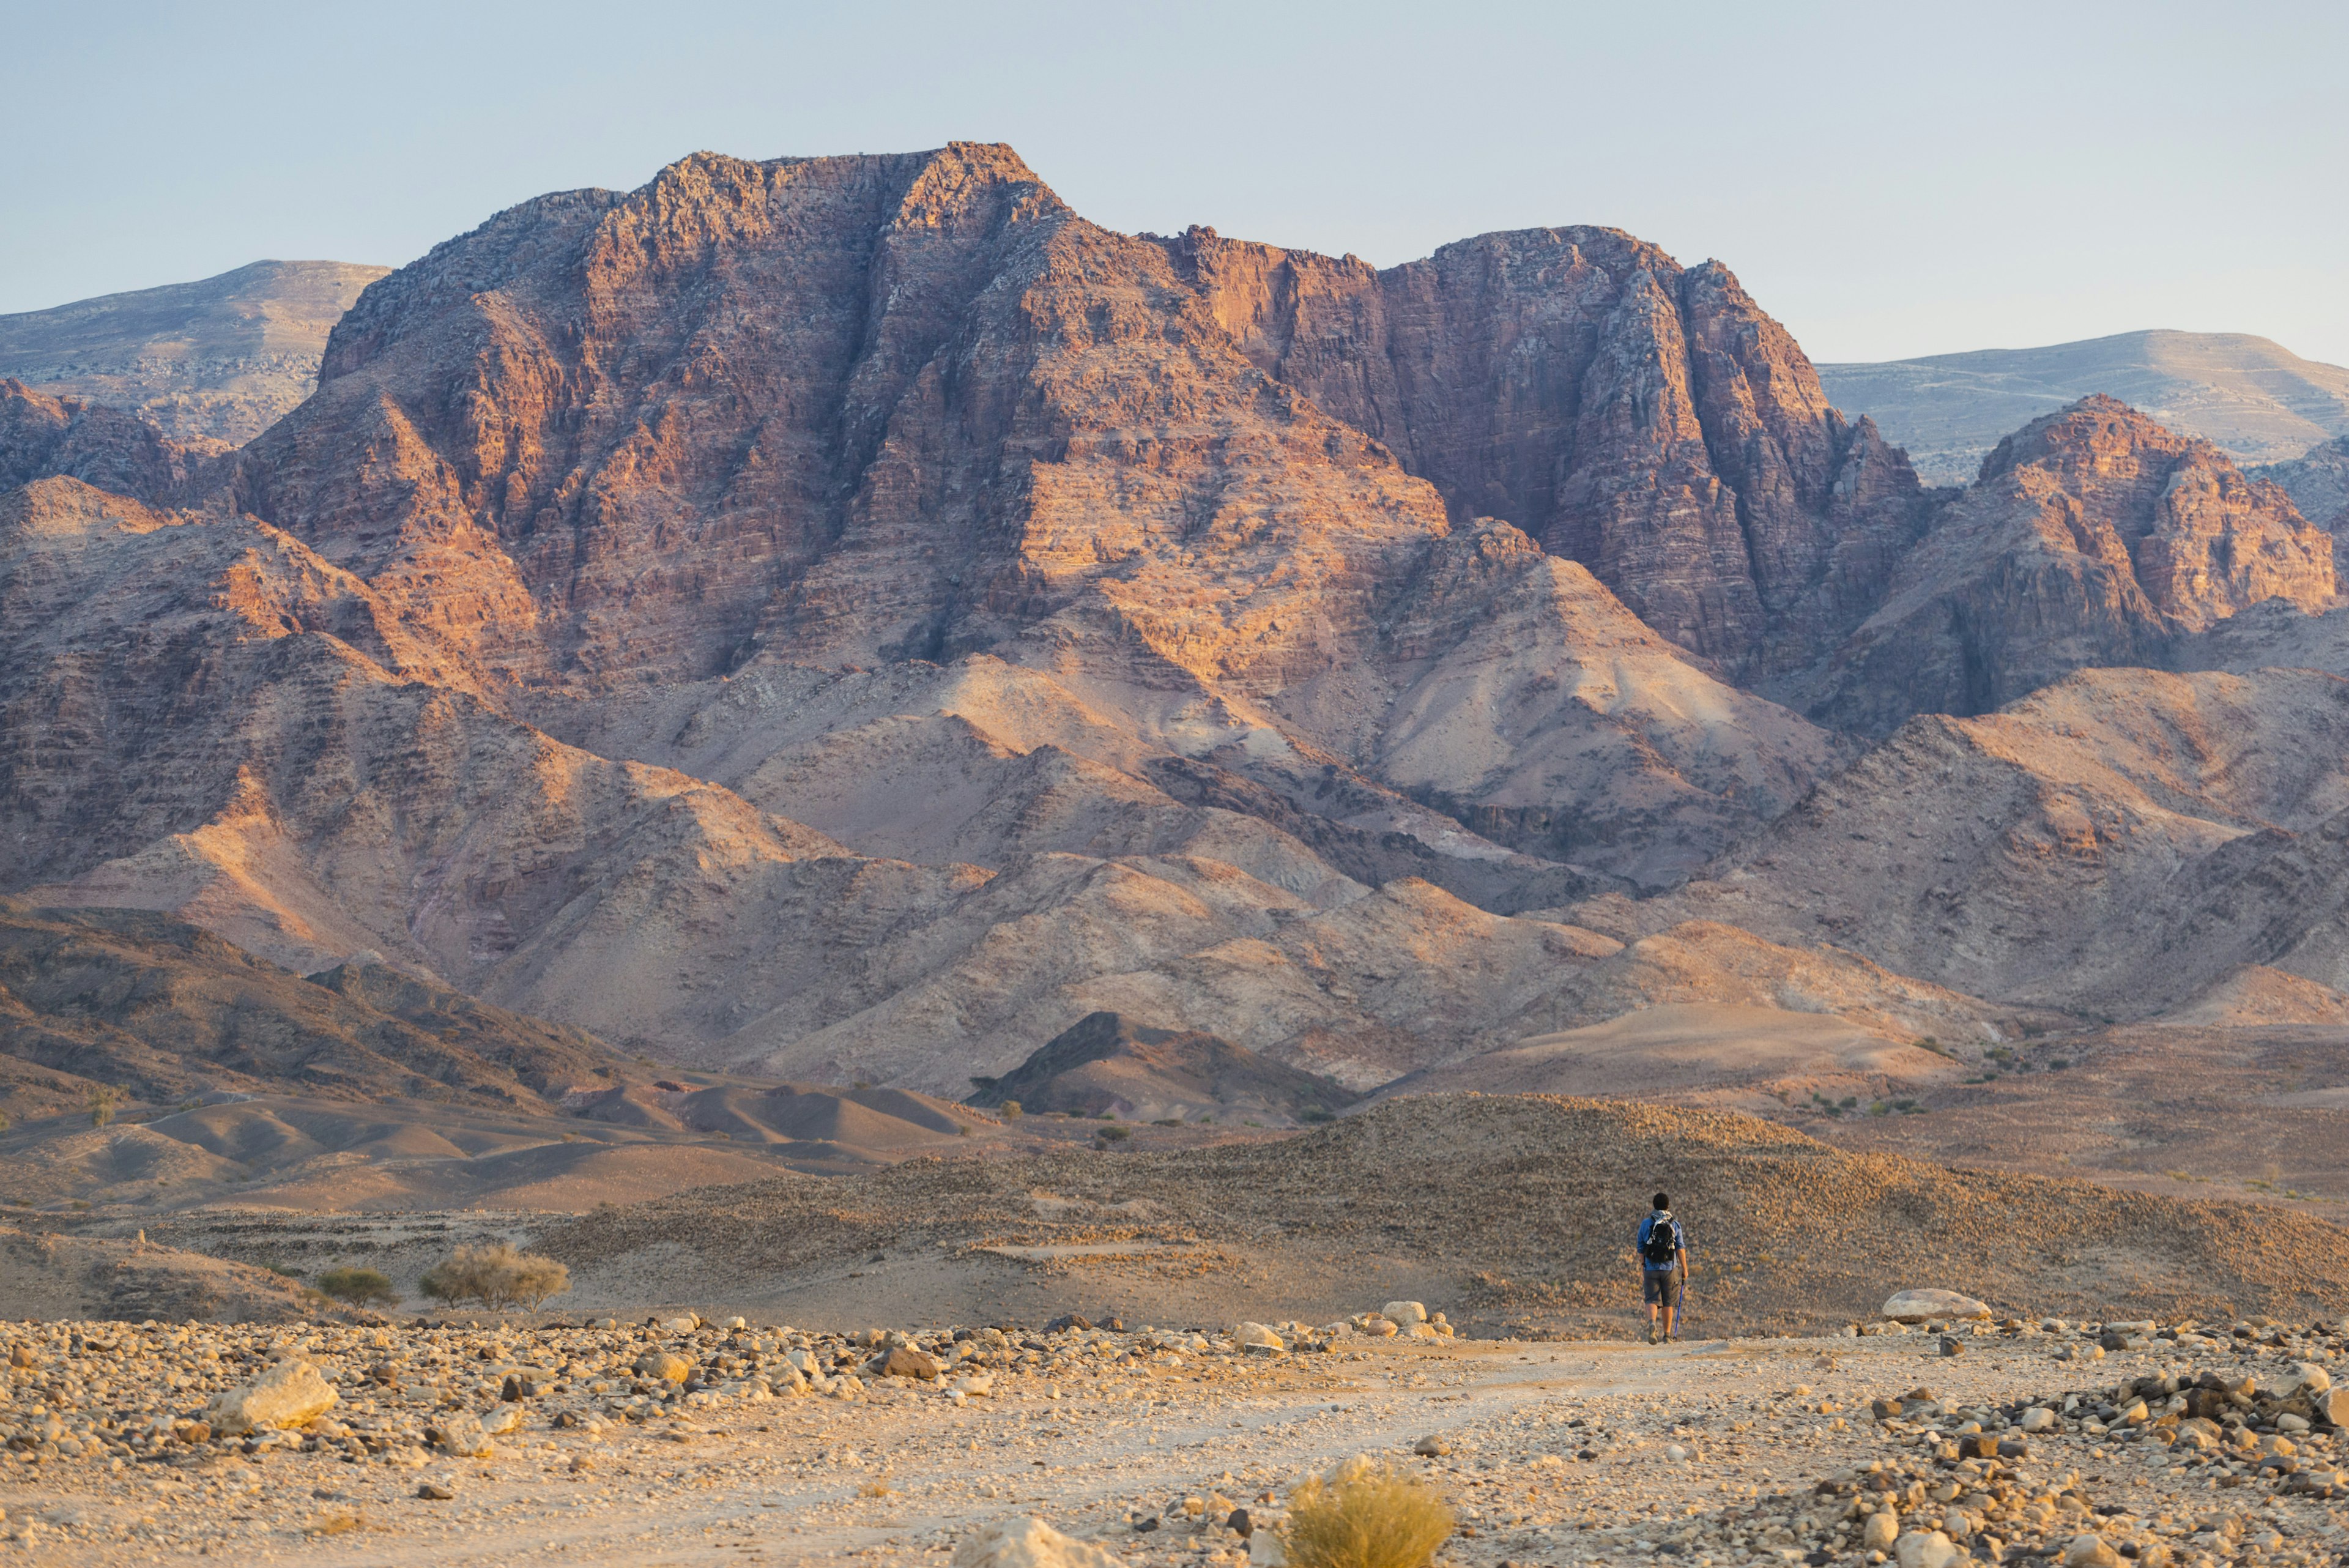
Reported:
(1762, 1452)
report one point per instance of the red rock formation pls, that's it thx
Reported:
(873, 406)
(1647, 420)
(43, 437)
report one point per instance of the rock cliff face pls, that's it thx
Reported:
(2093, 537)
(1647, 420)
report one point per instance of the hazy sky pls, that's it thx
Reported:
(1889, 180)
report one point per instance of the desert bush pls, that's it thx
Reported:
(102, 1101)
(1363, 1515)
(1011, 1109)
(358, 1287)
(497, 1276)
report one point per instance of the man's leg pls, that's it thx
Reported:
(1673, 1304)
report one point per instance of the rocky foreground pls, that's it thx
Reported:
(682, 1441)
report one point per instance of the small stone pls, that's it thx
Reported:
(1400, 1312)
(662, 1364)
(682, 1325)
(1952, 1346)
(459, 1435)
(1257, 1336)
(2090, 1551)
(1431, 1448)
(905, 1361)
(1924, 1549)
(2038, 1419)
(433, 1492)
(1881, 1532)
(2312, 1378)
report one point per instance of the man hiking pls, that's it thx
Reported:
(1664, 1267)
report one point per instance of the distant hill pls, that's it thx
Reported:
(2255, 399)
(218, 360)
(1106, 1064)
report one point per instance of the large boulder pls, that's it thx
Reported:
(1028, 1543)
(1917, 1306)
(290, 1394)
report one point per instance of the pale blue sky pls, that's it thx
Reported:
(1887, 180)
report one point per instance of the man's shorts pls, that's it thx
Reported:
(1661, 1287)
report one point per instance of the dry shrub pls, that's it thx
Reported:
(496, 1276)
(1363, 1515)
(359, 1287)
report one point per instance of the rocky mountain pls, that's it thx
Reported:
(209, 364)
(2095, 537)
(2251, 398)
(854, 619)
(2122, 843)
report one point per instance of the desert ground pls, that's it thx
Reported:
(1726, 1451)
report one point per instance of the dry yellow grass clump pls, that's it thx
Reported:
(1363, 1515)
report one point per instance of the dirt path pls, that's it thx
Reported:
(1557, 1453)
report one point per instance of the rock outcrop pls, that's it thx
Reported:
(42, 437)
(2094, 536)
(1645, 420)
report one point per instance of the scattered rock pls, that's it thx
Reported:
(290, 1394)
(905, 1361)
(1430, 1447)
(433, 1492)
(1925, 1549)
(2090, 1551)
(1404, 1313)
(460, 1434)
(1951, 1346)
(1880, 1531)
(663, 1365)
(1257, 1336)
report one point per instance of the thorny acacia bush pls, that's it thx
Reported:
(1363, 1515)
(496, 1276)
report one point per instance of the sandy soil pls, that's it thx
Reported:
(1714, 1452)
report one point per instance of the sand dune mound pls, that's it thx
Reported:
(1520, 1209)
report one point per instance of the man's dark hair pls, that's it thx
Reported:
(1662, 1201)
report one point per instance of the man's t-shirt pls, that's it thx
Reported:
(1680, 1240)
